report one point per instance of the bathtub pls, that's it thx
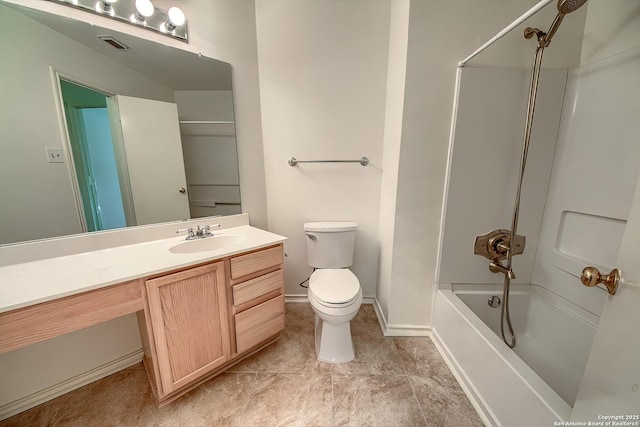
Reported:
(537, 382)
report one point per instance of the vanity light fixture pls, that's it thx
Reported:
(141, 13)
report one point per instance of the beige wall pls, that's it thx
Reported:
(323, 68)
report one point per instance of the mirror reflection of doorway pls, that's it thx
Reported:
(94, 158)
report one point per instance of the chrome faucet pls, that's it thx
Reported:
(199, 232)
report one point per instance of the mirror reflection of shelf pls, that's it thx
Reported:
(211, 204)
(207, 127)
(206, 122)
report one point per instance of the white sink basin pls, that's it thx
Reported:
(206, 244)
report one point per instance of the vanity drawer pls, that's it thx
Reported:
(259, 323)
(245, 265)
(267, 286)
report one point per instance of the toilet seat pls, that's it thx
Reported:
(334, 288)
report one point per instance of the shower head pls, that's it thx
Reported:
(564, 7)
(568, 6)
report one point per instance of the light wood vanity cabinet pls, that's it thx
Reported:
(189, 322)
(199, 321)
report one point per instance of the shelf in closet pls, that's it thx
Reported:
(208, 127)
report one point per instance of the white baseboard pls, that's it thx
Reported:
(295, 298)
(387, 330)
(56, 390)
(399, 330)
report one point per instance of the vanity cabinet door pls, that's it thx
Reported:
(189, 320)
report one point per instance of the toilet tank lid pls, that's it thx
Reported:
(330, 226)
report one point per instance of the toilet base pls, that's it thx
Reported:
(333, 342)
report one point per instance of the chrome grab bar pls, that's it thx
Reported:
(364, 161)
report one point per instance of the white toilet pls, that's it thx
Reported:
(334, 291)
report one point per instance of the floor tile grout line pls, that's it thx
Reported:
(333, 402)
(415, 396)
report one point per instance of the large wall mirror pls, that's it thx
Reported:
(101, 129)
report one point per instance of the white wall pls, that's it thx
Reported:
(396, 72)
(323, 68)
(612, 27)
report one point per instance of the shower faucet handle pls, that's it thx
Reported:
(496, 245)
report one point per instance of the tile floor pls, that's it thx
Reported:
(394, 381)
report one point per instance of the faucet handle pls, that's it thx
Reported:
(205, 231)
(207, 228)
(190, 233)
(496, 244)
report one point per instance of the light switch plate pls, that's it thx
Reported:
(55, 155)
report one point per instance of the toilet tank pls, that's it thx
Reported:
(330, 244)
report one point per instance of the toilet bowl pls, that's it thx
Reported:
(334, 291)
(335, 296)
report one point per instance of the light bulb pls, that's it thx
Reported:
(105, 6)
(144, 9)
(176, 18)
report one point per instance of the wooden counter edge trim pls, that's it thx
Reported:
(29, 325)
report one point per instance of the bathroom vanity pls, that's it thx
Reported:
(202, 305)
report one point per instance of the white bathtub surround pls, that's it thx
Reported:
(504, 389)
(554, 335)
(599, 125)
(612, 374)
(486, 143)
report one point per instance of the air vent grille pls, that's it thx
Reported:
(113, 42)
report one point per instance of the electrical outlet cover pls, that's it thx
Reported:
(55, 155)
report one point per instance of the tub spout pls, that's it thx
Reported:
(497, 267)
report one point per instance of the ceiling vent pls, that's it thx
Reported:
(113, 42)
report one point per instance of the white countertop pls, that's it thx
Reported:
(34, 282)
